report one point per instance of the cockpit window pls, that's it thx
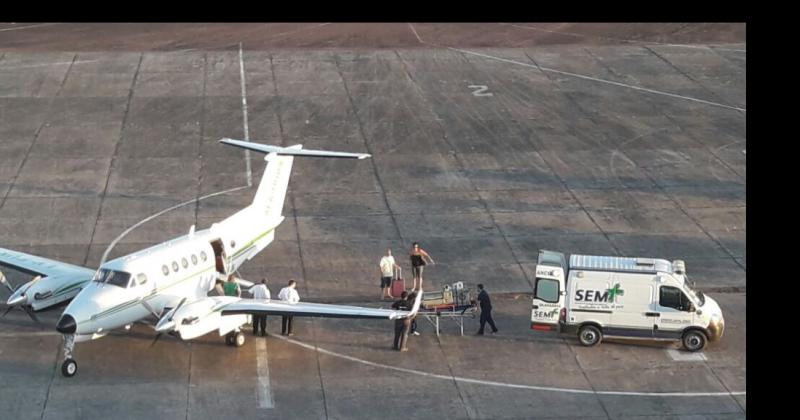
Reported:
(117, 278)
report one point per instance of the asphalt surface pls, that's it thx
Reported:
(615, 140)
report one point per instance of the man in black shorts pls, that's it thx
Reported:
(387, 267)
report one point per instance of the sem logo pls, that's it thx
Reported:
(610, 295)
(614, 292)
(543, 314)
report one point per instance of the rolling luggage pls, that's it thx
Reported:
(398, 284)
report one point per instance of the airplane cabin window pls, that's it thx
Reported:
(184, 263)
(203, 256)
(194, 259)
(165, 270)
(175, 266)
(141, 278)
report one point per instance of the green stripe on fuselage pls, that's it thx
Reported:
(133, 302)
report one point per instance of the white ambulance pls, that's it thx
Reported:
(639, 298)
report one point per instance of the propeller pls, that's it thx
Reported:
(19, 299)
(166, 324)
(4, 280)
(151, 310)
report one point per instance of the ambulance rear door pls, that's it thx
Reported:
(549, 291)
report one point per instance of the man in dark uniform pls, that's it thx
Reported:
(401, 326)
(486, 310)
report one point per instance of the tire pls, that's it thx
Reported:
(589, 335)
(694, 340)
(69, 368)
(239, 339)
(229, 339)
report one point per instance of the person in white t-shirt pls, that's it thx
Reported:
(387, 266)
(260, 292)
(289, 295)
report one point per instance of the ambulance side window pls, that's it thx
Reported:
(547, 290)
(672, 297)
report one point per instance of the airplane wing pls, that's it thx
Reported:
(276, 307)
(55, 281)
(225, 313)
(44, 267)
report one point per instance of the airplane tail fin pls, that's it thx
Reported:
(271, 191)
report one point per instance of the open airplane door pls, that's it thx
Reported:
(549, 292)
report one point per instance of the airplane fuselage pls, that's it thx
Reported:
(133, 287)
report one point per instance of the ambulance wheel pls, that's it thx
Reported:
(69, 368)
(238, 339)
(694, 340)
(589, 335)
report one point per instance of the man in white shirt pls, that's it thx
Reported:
(289, 295)
(387, 266)
(260, 292)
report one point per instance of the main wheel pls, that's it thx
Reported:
(238, 339)
(229, 339)
(694, 340)
(69, 367)
(589, 335)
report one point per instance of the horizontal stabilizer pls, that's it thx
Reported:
(292, 151)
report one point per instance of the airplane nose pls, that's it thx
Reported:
(66, 325)
(16, 300)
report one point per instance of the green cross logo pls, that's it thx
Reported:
(614, 292)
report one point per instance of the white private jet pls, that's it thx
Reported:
(171, 280)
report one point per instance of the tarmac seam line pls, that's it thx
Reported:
(365, 139)
(111, 164)
(509, 385)
(687, 75)
(564, 183)
(36, 134)
(462, 168)
(594, 79)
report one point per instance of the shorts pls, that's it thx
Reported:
(386, 282)
(416, 271)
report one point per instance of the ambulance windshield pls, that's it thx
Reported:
(697, 295)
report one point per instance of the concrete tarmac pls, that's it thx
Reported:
(597, 142)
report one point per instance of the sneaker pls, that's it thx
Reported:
(495, 331)
(415, 333)
(479, 333)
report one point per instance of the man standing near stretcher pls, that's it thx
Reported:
(387, 267)
(418, 256)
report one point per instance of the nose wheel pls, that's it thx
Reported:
(69, 367)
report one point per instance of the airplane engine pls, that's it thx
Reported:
(200, 317)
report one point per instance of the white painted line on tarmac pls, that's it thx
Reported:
(594, 79)
(683, 356)
(630, 41)
(29, 334)
(509, 385)
(29, 27)
(244, 115)
(264, 391)
(415, 33)
(24, 66)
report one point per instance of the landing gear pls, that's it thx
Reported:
(235, 338)
(70, 366)
(238, 339)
